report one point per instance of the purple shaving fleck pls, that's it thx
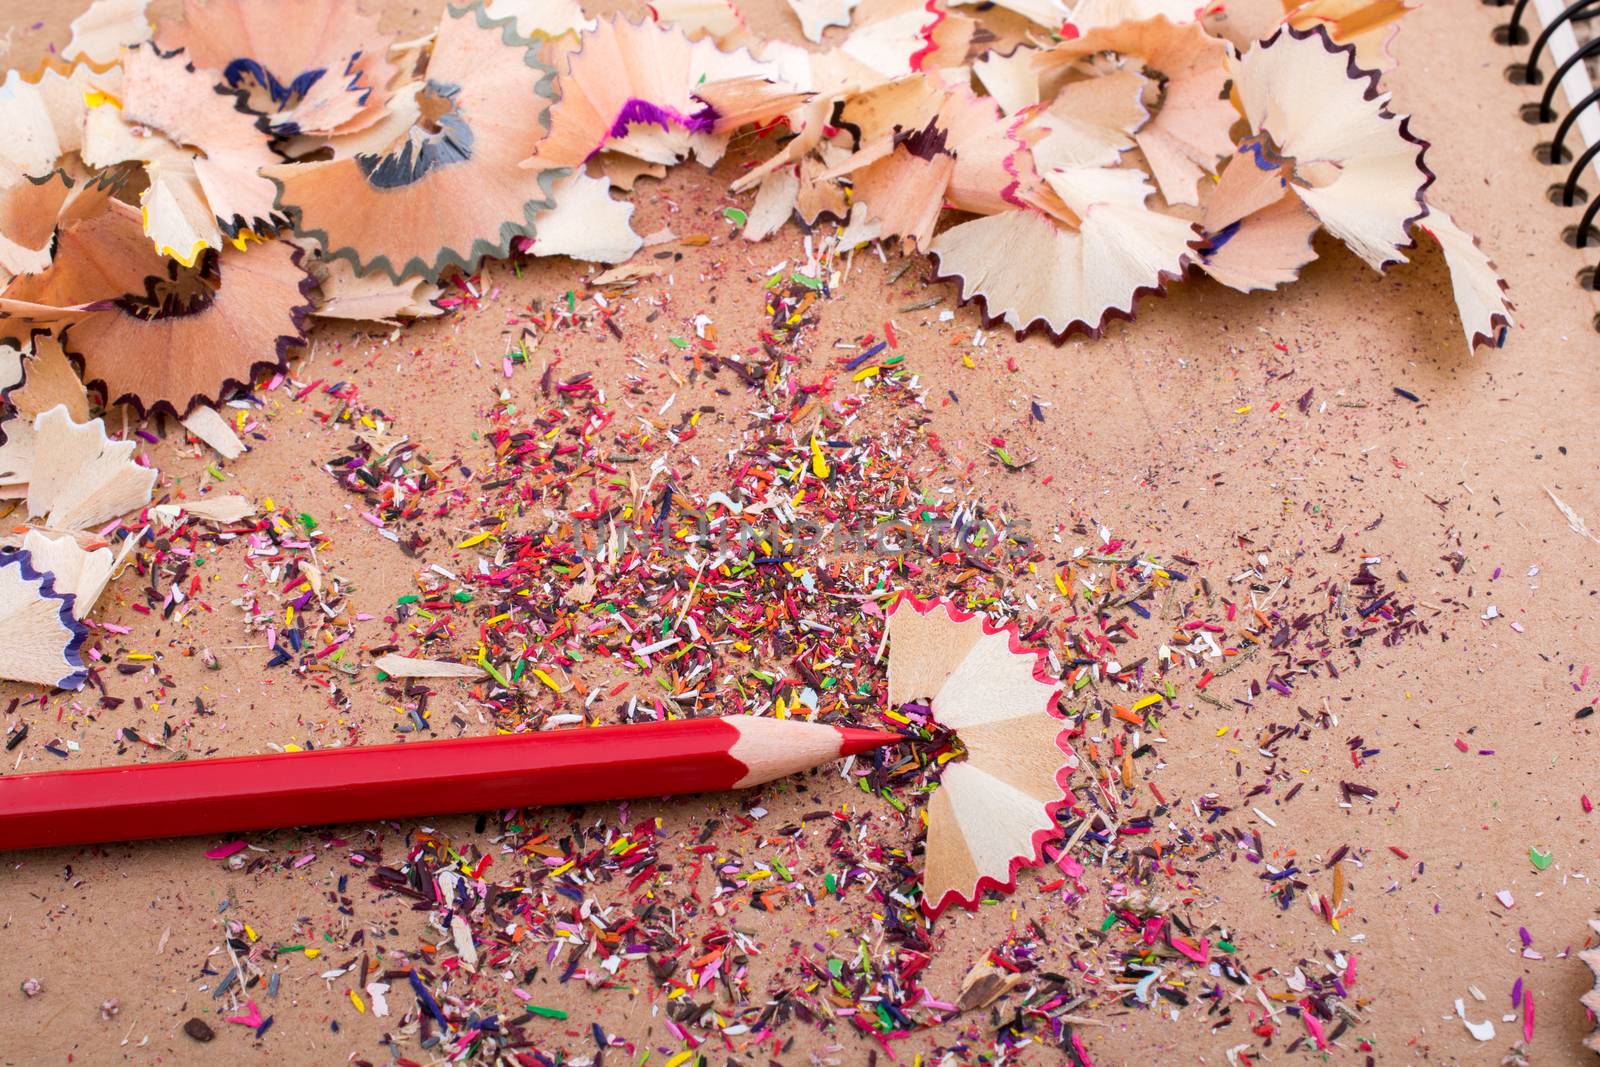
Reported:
(638, 112)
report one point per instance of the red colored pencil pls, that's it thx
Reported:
(368, 782)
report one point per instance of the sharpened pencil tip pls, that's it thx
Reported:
(853, 741)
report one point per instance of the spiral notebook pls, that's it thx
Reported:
(1556, 50)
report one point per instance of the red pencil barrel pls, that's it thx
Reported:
(364, 783)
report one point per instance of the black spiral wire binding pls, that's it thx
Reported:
(1558, 145)
(1574, 12)
(1587, 222)
(1568, 193)
(1570, 188)
(1546, 112)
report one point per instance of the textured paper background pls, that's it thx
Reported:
(1146, 436)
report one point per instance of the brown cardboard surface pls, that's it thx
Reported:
(1163, 431)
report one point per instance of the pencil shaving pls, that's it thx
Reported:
(39, 636)
(344, 294)
(42, 379)
(994, 810)
(1117, 251)
(303, 66)
(107, 27)
(1320, 121)
(817, 16)
(1480, 292)
(201, 156)
(542, 18)
(634, 89)
(74, 569)
(408, 667)
(1190, 116)
(75, 475)
(447, 191)
(719, 20)
(154, 333)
